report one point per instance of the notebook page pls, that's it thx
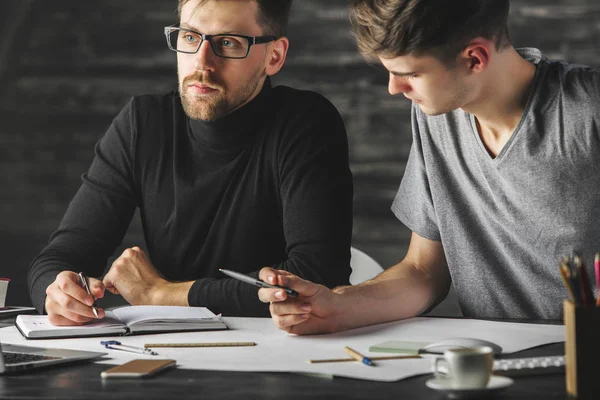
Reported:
(136, 314)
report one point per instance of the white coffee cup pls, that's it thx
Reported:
(3, 290)
(468, 368)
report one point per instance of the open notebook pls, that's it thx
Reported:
(127, 320)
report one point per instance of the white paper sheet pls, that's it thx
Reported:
(280, 352)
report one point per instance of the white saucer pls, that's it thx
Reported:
(455, 392)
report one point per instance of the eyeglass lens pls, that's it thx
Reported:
(222, 45)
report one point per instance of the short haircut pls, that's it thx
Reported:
(441, 28)
(272, 15)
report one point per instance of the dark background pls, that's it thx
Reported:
(68, 66)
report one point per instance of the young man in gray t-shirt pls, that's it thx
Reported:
(502, 181)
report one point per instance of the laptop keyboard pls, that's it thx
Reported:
(17, 358)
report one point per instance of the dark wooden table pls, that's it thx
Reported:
(84, 382)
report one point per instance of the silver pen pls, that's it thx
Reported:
(257, 282)
(86, 285)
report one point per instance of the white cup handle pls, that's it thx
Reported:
(444, 373)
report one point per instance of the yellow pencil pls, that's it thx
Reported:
(213, 344)
(328, 360)
(358, 357)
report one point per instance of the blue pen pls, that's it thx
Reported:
(359, 357)
(116, 345)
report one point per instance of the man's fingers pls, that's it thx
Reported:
(269, 295)
(97, 288)
(109, 286)
(283, 278)
(279, 279)
(68, 302)
(268, 274)
(58, 315)
(290, 308)
(108, 281)
(59, 320)
(80, 319)
(113, 290)
(303, 287)
(263, 295)
(69, 285)
(70, 307)
(288, 322)
(132, 252)
(272, 295)
(274, 276)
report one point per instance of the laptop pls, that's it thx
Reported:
(16, 358)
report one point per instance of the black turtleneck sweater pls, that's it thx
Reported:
(266, 185)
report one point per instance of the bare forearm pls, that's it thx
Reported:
(403, 291)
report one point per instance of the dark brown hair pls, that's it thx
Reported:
(272, 15)
(441, 28)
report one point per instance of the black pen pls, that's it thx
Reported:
(257, 282)
(86, 285)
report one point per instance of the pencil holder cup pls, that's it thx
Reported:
(582, 350)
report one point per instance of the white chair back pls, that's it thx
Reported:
(364, 267)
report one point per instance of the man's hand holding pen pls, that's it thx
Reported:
(85, 282)
(315, 310)
(69, 303)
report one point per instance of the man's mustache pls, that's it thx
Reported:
(201, 79)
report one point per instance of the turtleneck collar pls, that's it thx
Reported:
(234, 130)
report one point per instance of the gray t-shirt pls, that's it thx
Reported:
(506, 222)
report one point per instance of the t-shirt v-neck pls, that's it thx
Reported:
(494, 161)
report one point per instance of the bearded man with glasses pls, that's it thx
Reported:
(227, 171)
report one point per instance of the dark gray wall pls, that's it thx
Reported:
(68, 66)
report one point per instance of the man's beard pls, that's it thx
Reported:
(214, 106)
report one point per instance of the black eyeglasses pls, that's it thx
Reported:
(224, 45)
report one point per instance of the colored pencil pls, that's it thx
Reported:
(586, 287)
(328, 360)
(564, 271)
(597, 270)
